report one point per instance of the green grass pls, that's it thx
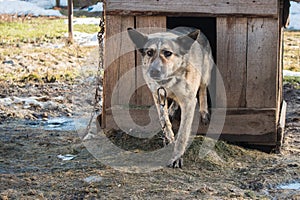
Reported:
(86, 28)
(292, 79)
(36, 30)
(33, 30)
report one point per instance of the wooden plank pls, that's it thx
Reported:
(282, 15)
(194, 7)
(281, 124)
(279, 85)
(139, 116)
(251, 122)
(117, 58)
(147, 25)
(262, 61)
(245, 121)
(110, 67)
(232, 60)
(127, 84)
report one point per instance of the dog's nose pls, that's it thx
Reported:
(154, 73)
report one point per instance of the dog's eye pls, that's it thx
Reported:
(167, 53)
(150, 53)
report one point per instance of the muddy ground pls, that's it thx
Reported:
(32, 153)
(31, 169)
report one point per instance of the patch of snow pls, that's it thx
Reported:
(291, 186)
(93, 179)
(46, 4)
(291, 73)
(6, 101)
(13, 7)
(66, 157)
(61, 2)
(85, 39)
(27, 102)
(294, 16)
(96, 8)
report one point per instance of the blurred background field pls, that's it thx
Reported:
(21, 36)
(292, 50)
(37, 49)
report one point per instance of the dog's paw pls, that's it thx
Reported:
(205, 117)
(176, 163)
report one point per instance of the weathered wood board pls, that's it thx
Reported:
(232, 60)
(247, 122)
(194, 7)
(262, 62)
(119, 58)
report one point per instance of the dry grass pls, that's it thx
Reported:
(291, 60)
(32, 49)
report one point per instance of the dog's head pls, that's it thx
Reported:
(162, 53)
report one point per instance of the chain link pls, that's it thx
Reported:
(162, 99)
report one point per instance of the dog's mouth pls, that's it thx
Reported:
(164, 81)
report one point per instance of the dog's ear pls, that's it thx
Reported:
(186, 41)
(137, 38)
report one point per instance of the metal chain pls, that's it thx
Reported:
(97, 97)
(162, 99)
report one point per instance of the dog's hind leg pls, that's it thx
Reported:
(187, 116)
(172, 110)
(204, 114)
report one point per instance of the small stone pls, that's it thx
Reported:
(4, 197)
(45, 115)
(93, 179)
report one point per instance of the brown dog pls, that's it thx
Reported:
(180, 61)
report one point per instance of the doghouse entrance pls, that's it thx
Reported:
(206, 24)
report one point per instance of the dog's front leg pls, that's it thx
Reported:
(163, 114)
(187, 116)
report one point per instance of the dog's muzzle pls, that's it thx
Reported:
(155, 73)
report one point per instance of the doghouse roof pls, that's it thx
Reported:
(267, 8)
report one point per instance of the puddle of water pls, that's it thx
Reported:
(62, 124)
(290, 186)
(56, 124)
(59, 123)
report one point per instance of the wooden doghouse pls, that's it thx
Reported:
(246, 39)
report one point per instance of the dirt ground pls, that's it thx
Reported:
(31, 169)
(32, 151)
